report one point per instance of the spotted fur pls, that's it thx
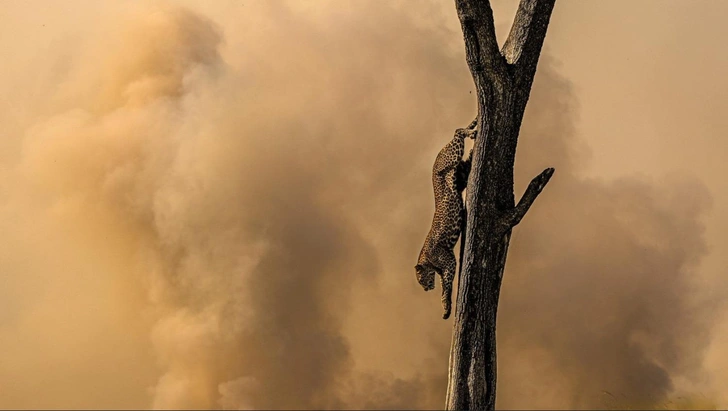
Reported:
(449, 177)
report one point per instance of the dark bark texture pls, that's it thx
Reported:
(503, 81)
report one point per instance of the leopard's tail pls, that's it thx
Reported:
(463, 225)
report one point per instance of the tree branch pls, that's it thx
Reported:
(528, 30)
(515, 215)
(481, 45)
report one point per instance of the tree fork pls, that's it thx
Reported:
(503, 80)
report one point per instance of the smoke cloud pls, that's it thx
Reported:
(209, 218)
(605, 307)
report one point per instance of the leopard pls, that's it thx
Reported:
(449, 179)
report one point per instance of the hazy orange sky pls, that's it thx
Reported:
(220, 204)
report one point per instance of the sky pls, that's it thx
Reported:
(220, 205)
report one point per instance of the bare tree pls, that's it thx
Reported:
(503, 81)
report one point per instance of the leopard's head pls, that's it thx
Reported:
(425, 276)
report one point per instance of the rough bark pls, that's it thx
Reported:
(503, 81)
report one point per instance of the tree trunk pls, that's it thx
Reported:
(503, 81)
